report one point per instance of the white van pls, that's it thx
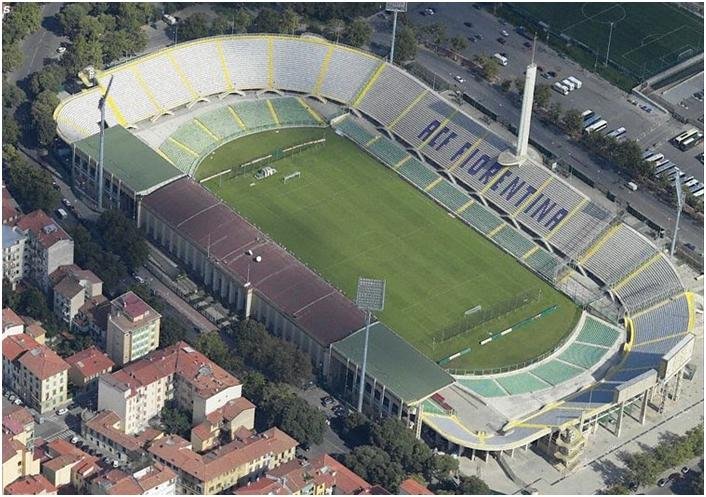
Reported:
(577, 82)
(632, 186)
(501, 60)
(568, 84)
(558, 87)
(62, 213)
(170, 20)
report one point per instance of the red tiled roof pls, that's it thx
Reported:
(44, 228)
(10, 447)
(16, 418)
(105, 423)
(39, 359)
(410, 486)
(311, 303)
(178, 452)
(90, 362)
(347, 482)
(9, 207)
(30, 485)
(10, 318)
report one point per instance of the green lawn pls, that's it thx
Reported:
(349, 216)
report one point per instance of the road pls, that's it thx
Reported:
(39, 46)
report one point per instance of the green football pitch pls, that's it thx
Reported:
(647, 38)
(348, 215)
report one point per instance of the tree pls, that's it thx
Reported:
(405, 45)
(358, 33)
(116, 45)
(10, 298)
(70, 16)
(267, 21)
(433, 33)
(279, 406)
(375, 466)
(440, 467)
(505, 85)
(23, 19)
(81, 53)
(10, 129)
(572, 122)
(12, 95)
(542, 93)
(176, 421)
(490, 69)
(33, 303)
(11, 57)
(289, 22)
(43, 116)
(356, 429)
(554, 112)
(31, 186)
(241, 21)
(392, 436)
(643, 468)
(50, 77)
(89, 254)
(120, 235)
(334, 28)
(212, 346)
(472, 485)
(171, 331)
(520, 85)
(220, 26)
(193, 27)
(459, 44)
(618, 489)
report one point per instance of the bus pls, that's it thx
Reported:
(569, 84)
(591, 120)
(559, 88)
(661, 163)
(587, 114)
(577, 82)
(654, 157)
(617, 132)
(597, 126)
(677, 140)
(691, 141)
(664, 167)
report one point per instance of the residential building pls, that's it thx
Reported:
(31, 485)
(87, 365)
(48, 247)
(13, 254)
(18, 458)
(35, 330)
(410, 486)
(102, 431)
(133, 329)
(234, 415)
(247, 457)
(295, 477)
(347, 482)
(74, 287)
(12, 324)
(140, 390)
(10, 210)
(155, 479)
(68, 465)
(35, 372)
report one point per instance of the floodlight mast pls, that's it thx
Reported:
(101, 147)
(394, 7)
(680, 206)
(370, 297)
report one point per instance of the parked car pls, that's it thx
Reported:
(527, 44)
(685, 469)
(327, 401)
(12, 397)
(18, 402)
(459, 79)
(504, 33)
(60, 50)
(62, 411)
(75, 440)
(66, 202)
(468, 24)
(502, 41)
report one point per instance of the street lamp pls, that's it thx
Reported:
(370, 297)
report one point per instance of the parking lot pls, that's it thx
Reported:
(332, 408)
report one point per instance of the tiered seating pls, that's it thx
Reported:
(542, 262)
(221, 122)
(632, 248)
(391, 93)
(597, 333)
(431, 406)
(205, 79)
(417, 173)
(520, 383)
(296, 65)
(193, 137)
(512, 241)
(388, 151)
(484, 387)
(247, 62)
(665, 320)
(347, 72)
(556, 372)
(449, 196)
(254, 113)
(358, 134)
(574, 236)
(164, 82)
(429, 108)
(658, 280)
(582, 355)
(182, 159)
(129, 96)
(291, 111)
(481, 218)
(72, 120)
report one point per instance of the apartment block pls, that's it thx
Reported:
(35, 372)
(31, 485)
(132, 329)
(103, 432)
(87, 365)
(140, 390)
(18, 459)
(155, 479)
(48, 247)
(13, 254)
(73, 289)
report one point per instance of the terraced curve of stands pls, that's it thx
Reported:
(554, 216)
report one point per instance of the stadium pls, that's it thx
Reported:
(278, 169)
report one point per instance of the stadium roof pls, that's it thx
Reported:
(316, 307)
(395, 363)
(138, 166)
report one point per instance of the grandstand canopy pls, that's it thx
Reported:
(127, 157)
(395, 363)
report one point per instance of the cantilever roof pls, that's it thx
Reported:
(311, 303)
(138, 166)
(395, 363)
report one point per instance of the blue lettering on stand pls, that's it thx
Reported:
(489, 173)
(460, 151)
(556, 218)
(429, 130)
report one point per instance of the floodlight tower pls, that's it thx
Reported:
(680, 206)
(101, 148)
(370, 297)
(394, 7)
